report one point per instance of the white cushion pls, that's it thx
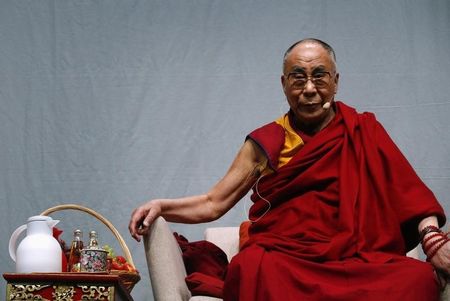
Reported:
(226, 238)
(204, 298)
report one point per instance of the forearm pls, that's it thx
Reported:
(195, 209)
(188, 210)
(212, 205)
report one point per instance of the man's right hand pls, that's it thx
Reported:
(142, 218)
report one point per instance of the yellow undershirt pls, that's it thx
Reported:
(292, 141)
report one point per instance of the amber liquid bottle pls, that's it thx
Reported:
(73, 264)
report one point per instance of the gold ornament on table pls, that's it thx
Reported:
(19, 292)
(63, 293)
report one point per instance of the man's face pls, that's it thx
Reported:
(309, 81)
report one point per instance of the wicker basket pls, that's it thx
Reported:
(129, 279)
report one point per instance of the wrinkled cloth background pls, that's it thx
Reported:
(109, 103)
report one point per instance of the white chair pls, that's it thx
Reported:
(165, 262)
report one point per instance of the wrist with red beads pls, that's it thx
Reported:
(432, 239)
(428, 229)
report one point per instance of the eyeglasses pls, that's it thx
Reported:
(298, 80)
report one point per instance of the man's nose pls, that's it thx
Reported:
(309, 88)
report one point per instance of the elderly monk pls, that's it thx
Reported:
(336, 204)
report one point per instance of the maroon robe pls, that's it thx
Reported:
(344, 211)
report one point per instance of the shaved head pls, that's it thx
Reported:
(324, 45)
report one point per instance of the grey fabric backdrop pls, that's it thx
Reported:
(108, 103)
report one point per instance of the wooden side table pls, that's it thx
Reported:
(65, 287)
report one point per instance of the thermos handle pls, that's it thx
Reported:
(13, 241)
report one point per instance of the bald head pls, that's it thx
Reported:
(311, 41)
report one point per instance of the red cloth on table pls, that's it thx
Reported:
(344, 211)
(56, 234)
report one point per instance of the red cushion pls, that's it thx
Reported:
(243, 233)
(204, 285)
(206, 266)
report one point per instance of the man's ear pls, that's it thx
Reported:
(336, 82)
(283, 82)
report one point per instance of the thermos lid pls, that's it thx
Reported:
(39, 218)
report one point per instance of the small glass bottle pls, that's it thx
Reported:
(73, 264)
(93, 240)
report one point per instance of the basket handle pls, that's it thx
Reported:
(107, 223)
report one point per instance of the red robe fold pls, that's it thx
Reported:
(343, 212)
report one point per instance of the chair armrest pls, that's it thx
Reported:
(165, 263)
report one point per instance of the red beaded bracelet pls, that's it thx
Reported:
(434, 251)
(424, 242)
(427, 247)
(428, 229)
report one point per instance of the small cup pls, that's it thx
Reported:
(93, 260)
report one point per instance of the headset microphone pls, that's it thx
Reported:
(326, 105)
